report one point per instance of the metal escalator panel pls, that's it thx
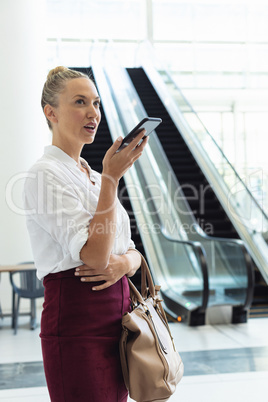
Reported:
(248, 204)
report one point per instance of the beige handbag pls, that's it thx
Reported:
(151, 366)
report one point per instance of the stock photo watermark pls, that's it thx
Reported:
(50, 195)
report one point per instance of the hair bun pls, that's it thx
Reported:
(57, 79)
(55, 71)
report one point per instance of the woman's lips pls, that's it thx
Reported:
(90, 128)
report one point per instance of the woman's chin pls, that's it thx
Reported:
(89, 140)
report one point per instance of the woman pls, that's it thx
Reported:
(80, 236)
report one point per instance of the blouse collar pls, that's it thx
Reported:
(56, 152)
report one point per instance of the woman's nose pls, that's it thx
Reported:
(92, 111)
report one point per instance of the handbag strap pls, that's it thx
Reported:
(147, 283)
(135, 294)
(146, 278)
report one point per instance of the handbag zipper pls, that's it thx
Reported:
(147, 312)
(157, 309)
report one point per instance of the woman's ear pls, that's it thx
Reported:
(50, 114)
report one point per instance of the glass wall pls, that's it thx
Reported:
(101, 19)
(216, 50)
(218, 43)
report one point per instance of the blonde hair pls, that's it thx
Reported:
(55, 83)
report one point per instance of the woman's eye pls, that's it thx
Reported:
(80, 101)
(97, 103)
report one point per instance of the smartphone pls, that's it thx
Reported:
(148, 123)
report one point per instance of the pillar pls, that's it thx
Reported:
(23, 128)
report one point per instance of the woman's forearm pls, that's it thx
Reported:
(102, 229)
(134, 262)
(119, 266)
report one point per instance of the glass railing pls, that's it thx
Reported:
(244, 205)
(230, 276)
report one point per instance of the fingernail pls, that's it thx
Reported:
(76, 273)
(83, 279)
(119, 139)
(93, 288)
(77, 269)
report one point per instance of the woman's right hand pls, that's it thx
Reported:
(115, 164)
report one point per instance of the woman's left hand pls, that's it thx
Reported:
(118, 267)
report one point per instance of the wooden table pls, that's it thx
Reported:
(20, 267)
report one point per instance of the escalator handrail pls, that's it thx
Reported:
(251, 280)
(197, 247)
(239, 242)
(200, 252)
(200, 249)
(216, 144)
(248, 263)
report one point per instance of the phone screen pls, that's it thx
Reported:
(148, 123)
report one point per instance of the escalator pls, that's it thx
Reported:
(199, 194)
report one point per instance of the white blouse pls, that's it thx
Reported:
(59, 202)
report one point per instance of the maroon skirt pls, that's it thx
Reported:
(80, 332)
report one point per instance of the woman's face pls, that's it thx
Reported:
(78, 112)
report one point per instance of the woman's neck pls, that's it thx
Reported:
(73, 150)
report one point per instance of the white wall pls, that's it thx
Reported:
(23, 128)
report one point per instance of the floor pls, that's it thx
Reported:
(222, 362)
